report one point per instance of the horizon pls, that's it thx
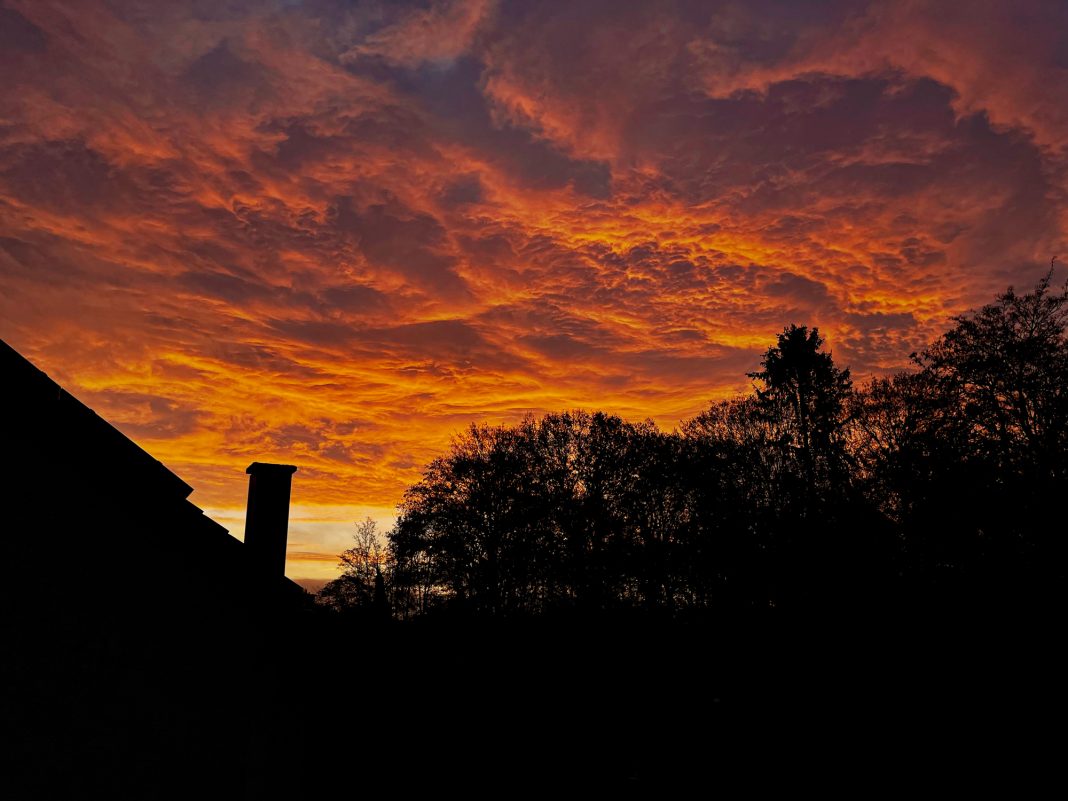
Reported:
(335, 235)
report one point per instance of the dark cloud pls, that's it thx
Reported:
(221, 77)
(880, 321)
(800, 290)
(260, 359)
(412, 243)
(683, 367)
(144, 416)
(450, 342)
(28, 259)
(355, 298)
(460, 111)
(301, 147)
(63, 175)
(464, 190)
(224, 287)
(565, 348)
(18, 34)
(316, 332)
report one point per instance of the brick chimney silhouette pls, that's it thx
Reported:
(267, 518)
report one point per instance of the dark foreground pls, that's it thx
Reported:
(940, 701)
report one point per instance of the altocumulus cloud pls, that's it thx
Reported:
(238, 227)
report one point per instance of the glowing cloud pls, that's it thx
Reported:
(332, 234)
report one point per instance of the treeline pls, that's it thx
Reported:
(940, 486)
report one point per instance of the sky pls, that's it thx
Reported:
(334, 234)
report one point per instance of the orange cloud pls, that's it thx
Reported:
(437, 34)
(332, 234)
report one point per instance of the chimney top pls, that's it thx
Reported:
(262, 468)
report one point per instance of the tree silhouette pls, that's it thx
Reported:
(361, 585)
(804, 395)
(929, 487)
(997, 430)
(1007, 366)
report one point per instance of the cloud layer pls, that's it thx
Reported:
(333, 233)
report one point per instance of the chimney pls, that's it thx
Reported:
(267, 518)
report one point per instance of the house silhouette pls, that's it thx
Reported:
(145, 643)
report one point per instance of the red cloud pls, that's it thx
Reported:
(332, 235)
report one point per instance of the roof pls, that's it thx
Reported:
(64, 467)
